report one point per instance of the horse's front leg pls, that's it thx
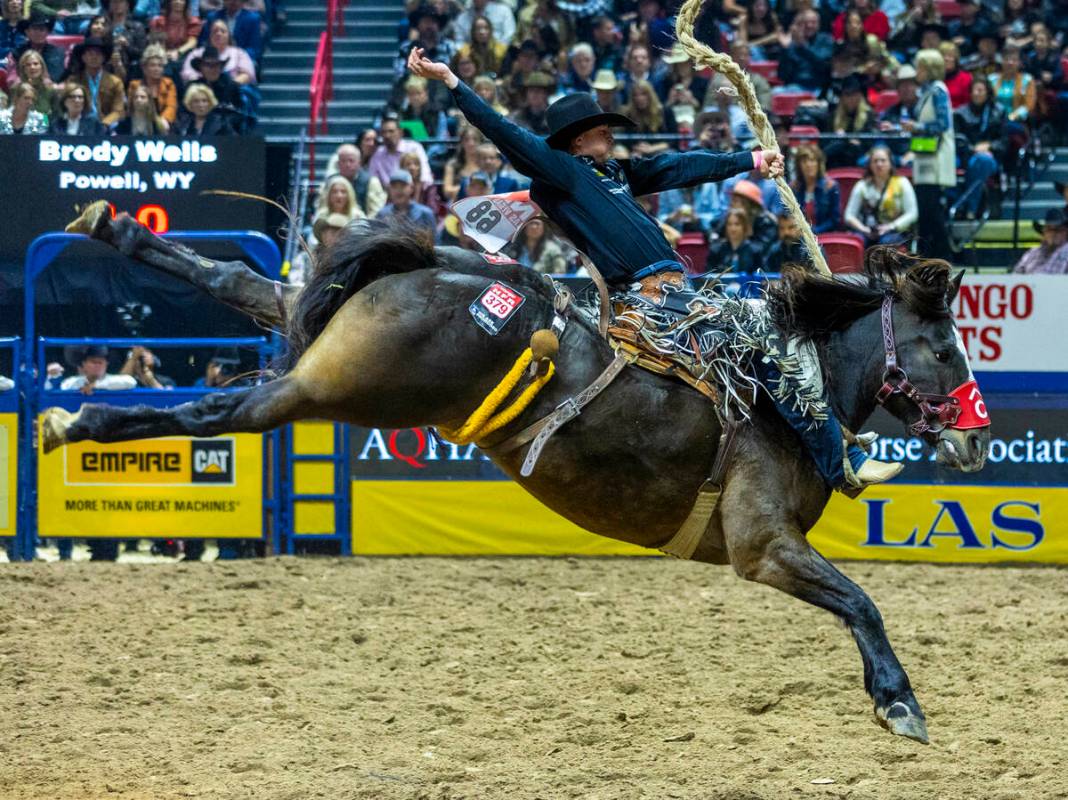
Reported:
(229, 282)
(766, 544)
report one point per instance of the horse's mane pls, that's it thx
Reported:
(808, 305)
(364, 252)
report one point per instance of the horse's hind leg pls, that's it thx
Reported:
(765, 546)
(260, 408)
(229, 282)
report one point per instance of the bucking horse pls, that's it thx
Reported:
(383, 335)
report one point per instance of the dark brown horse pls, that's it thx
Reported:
(382, 337)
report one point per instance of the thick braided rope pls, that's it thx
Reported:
(705, 56)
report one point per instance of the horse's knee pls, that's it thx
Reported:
(750, 554)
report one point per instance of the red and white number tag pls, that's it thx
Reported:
(973, 413)
(493, 220)
(495, 306)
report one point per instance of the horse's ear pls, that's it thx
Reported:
(931, 277)
(954, 287)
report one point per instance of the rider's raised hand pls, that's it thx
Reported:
(772, 164)
(420, 65)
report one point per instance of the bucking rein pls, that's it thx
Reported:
(537, 360)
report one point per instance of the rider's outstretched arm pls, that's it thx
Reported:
(528, 153)
(681, 170)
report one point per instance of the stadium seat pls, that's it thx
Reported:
(843, 251)
(694, 251)
(847, 178)
(784, 104)
(65, 42)
(769, 69)
(948, 9)
(905, 171)
(886, 99)
(803, 134)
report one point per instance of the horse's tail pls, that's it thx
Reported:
(364, 252)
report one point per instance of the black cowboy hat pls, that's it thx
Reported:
(35, 19)
(75, 355)
(577, 113)
(1055, 217)
(92, 42)
(936, 27)
(424, 10)
(210, 53)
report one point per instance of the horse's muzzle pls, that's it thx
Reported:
(964, 450)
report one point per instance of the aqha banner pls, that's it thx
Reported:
(1015, 324)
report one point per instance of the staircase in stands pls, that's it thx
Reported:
(363, 67)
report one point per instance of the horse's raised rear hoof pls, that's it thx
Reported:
(54, 425)
(93, 220)
(900, 720)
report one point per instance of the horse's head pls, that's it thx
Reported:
(927, 380)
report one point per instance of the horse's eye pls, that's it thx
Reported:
(943, 356)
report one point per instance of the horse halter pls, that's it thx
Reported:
(937, 411)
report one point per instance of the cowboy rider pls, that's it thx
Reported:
(591, 197)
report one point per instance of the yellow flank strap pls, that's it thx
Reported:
(483, 421)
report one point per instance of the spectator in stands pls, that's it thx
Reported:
(866, 54)
(606, 86)
(607, 52)
(346, 162)
(20, 118)
(852, 115)
(105, 92)
(180, 29)
(386, 158)
(907, 31)
(12, 35)
(640, 68)
(735, 251)
(421, 194)
(36, 28)
(741, 54)
(714, 132)
(336, 196)
(788, 249)
(68, 15)
(209, 70)
(1016, 22)
(367, 142)
(500, 17)
(418, 110)
(202, 118)
(806, 58)
(160, 88)
(579, 75)
(747, 197)
(31, 70)
(904, 109)
(483, 48)
(491, 164)
(235, 60)
(1042, 61)
(123, 26)
(649, 117)
(73, 120)
(325, 230)
(1051, 256)
(696, 209)
(400, 203)
(465, 69)
(427, 24)
(531, 112)
(524, 62)
(980, 121)
(541, 14)
(974, 21)
(463, 163)
(882, 206)
(93, 375)
(143, 119)
(244, 27)
(958, 81)
(1014, 90)
(537, 248)
(873, 21)
(934, 153)
(681, 85)
(986, 60)
(486, 88)
(818, 195)
(762, 30)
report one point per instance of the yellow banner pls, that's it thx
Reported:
(9, 477)
(974, 524)
(155, 488)
(466, 518)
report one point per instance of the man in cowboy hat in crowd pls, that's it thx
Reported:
(592, 198)
(1051, 256)
(531, 114)
(37, 27)
(210, 65)
(104, 93)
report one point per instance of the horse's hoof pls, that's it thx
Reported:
(54, 428)
(93, 218)
(900, 720)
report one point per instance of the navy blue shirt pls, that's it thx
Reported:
(594, 203)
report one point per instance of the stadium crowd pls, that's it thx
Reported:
(186, 68)
(892, 114)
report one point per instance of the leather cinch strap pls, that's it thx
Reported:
(544, 428)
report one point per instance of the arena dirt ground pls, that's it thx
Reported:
(442, 679)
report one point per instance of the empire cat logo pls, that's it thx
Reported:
(153, 462)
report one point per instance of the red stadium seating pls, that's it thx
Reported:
(843, 251)
(803, 134)
(948, 9)
(847, 178)
(694, 251)
(905, 171)
(769, 69)
(67, 43)
(886, 99)
(785, 104)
